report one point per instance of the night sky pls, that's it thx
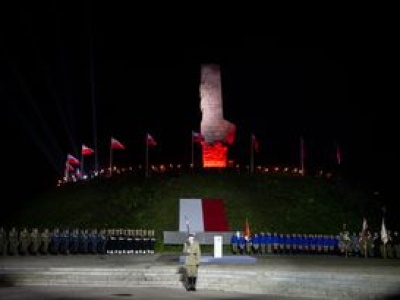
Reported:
(64, 72)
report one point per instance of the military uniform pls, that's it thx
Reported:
(3, 241)
(24, 242)
(108, 243)
(262, 243)
(93, 239)
(390, 246)
(44, 241)
(345, 241)
(74, 241)
(55, 241)
(235, 242)
(64, 241)
(102, 242)
(83, 241)
(146, 240)
(275, 243)
(13, 241)
(136, 241)
(152, 242)
(34, 242)
(376, 242)
(192, 253)
(396, 244)
(256, 243)
(129, 241)
(141, 240)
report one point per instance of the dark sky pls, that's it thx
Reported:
(64, 72)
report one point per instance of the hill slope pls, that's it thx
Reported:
(271, 202)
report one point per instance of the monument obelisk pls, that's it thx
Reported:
(218, 133)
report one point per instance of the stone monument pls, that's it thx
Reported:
(218, 133)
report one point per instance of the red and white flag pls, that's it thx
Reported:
(197, 137)
(86, 150)
(150, 140)
(255, 143)
(115, 144)
(72, 160)
(202, 215)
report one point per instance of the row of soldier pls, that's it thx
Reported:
(369, 245)
(274, 243)
(76, 241)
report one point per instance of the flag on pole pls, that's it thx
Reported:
(247, 229)
(255, 143)
(115, 144)
(150, 140)
(197, 137)
(86, 150)
(72, 160)
(384, 235)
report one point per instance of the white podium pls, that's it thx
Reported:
(218, 246)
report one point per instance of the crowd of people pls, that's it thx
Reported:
(345, 244)
(76, 241)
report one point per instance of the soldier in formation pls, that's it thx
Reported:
(44, 242)
(3, 241)
(13, 242)
(24, 241)
(76, 241)
(34, 242)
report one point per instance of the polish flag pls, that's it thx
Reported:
(86, 150)
(199, 215)
(72, 160)
(115, 144)
(150, 140)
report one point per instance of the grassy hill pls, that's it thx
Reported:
(272, 202)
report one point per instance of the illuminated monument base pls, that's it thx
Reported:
(215, 155)
(218, 133)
